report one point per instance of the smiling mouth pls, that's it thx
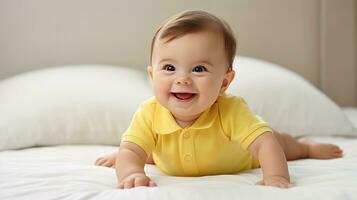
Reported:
(183, 96)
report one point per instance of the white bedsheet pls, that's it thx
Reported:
(67, 172)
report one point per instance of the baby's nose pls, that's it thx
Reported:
(183, 80)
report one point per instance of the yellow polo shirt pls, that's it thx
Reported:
(216, 143)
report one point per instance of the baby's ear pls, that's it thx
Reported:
(149, 71)
(228, 78)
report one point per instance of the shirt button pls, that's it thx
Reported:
(186, 135)
(188, 158)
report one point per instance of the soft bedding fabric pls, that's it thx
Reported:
(351, 113)
(287, 101)
(94, 104)
(81, 104)
(67, 172)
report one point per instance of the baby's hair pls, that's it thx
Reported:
(195, 21)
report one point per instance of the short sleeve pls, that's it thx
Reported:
(242, 125)
(140, 129)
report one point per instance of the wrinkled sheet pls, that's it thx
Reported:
(68, 172)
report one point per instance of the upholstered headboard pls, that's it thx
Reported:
(315, 38)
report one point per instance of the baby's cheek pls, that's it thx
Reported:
(210, 93)
(213, 87)
(160, 87)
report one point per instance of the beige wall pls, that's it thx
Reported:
(339, 50)
(315, 38)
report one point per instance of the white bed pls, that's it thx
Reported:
(67, 172)
(43, 157)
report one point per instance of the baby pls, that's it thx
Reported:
(191, 127)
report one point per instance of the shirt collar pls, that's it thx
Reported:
(164, 122)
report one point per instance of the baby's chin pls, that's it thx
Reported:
(190, 113)
(189, 110)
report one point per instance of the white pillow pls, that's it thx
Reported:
(351, 113)
(287, 101)
(69, 105)
(94, 104)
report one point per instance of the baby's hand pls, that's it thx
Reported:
(107, 160)
(136, 180)
(275, 181)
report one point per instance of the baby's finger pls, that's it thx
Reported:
(280, 185)
(283, 185)
(129, 184)
(107, 163)
(261, 182)
(140, 182)
(99, 161)
(152, 184)
(121, 185)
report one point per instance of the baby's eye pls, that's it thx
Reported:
(199, 68)
(169, 67)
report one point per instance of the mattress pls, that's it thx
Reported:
(68, 172)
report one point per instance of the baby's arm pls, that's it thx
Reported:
(270, 154)
(129, 166)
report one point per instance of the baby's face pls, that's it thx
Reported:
(189, 73)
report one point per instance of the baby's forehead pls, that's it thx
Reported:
(206, 41)
(198, 43)
(166, 36)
